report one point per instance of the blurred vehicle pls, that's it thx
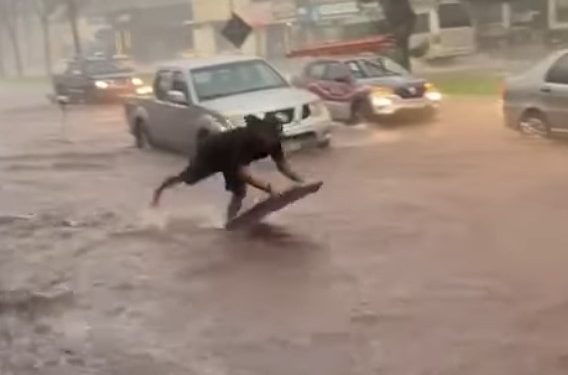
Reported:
(446, 28)
(536, 101)
(194, 98)
(96, 79)
(360, 88)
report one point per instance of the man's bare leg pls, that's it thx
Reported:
(168, 183)
(234, 206)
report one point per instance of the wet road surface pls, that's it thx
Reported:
(432, 249)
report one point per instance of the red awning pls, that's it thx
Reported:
(375, 44)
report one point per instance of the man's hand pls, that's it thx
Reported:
(287, 171)
(274, 193)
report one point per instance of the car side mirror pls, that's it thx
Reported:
(177, 97)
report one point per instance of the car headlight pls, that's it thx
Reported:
(381, 102)
(101, 85)
(432, 93)
(236, 121)
(144, 90)
(317, 109)
(381, 91)
(137, 81)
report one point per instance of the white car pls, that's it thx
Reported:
(194, 98)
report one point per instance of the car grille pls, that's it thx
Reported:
(306, 111)
(411, 92)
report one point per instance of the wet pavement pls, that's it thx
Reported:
(432, 249)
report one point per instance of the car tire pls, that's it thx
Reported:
(534, 123)
(142, 137)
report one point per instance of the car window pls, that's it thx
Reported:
(73, 69)
(235, 78)
(336, 71)
(179, 84)
(355, 69)
(453, 15)
(394, 67)
(163, 84)
(316, 71)
(95, 67)
(559, 71)
(383, 68)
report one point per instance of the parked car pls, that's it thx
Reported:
(96, 79)
(195, 98)
(358, 88)
(536, 101)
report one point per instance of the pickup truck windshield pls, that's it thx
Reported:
(235, 78)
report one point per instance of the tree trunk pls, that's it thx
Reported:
(13, 36)
(2, 66)
(47, 46)
(401, 20)
(73, 17)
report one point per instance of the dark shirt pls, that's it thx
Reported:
(228, 151)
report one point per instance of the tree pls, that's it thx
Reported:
(401, 20)
(72, 8)
(9, 17)
(44, 9)
(2, 66)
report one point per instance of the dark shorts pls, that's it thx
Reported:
(198, 171)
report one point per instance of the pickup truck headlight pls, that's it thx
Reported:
(101, 85)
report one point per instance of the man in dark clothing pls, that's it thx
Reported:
(230, 153)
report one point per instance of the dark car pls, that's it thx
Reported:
(358, 88)
(91, 80)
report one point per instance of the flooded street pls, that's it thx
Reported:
(432, 249)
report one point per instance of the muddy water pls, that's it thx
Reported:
(434, 249)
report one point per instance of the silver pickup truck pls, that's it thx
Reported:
(195, 98)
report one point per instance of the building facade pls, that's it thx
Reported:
(146, 30)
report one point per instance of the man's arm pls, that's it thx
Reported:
(283, 165)
(285, 168)
(246, 176)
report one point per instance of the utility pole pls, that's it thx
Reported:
(73, 15)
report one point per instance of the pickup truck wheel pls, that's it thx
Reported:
(141, 136)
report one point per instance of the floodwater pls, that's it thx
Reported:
(437, 248)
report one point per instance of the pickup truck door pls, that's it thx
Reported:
(158, 109)
(182, 119)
